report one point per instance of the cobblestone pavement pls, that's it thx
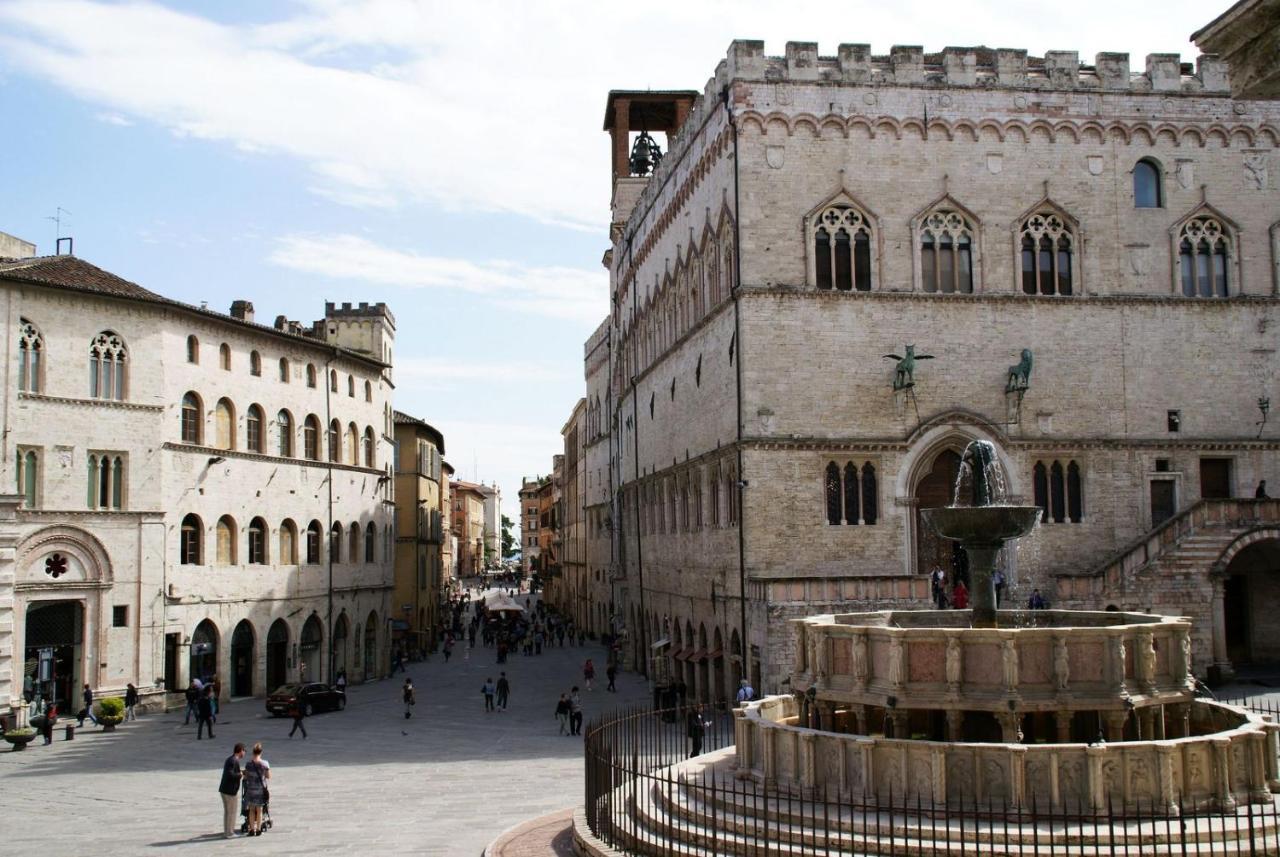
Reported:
(365, 781)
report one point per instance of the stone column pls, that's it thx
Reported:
(1256, 750)
(741, 740)
(1147, 723)
(808, 764)
(955, 725)
(1062, 719)
(1168, 791)
(1095, 787)
(868, 769)
(860, 719)
(769, 748)
(1017, 776)
(1115, 721)
(1222, 774)
(1273, 757)
(827, 715)
(1009, 722)
(1217, 611)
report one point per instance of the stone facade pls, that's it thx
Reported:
(468, 526)
(814, 214)
(420, 580)
(182, 511)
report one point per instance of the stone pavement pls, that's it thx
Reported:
(366, 781)
(550, 835)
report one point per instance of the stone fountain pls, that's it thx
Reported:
(982, 524)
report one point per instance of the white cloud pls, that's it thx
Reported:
(559, 292)
(113, 119)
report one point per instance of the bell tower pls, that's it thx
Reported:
(631, 118)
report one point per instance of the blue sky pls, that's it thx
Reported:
(446, 158)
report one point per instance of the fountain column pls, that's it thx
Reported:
(1062, 719)
(982, 592)
(1115, 721)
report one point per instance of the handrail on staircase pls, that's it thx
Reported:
(1151, 545)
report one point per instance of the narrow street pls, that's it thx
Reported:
(365, 781)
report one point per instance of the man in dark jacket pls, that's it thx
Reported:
(87, 711)
(697, 728)
(204, 713)
(193, 703)
(229, 788)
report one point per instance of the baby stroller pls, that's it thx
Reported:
(266, 811)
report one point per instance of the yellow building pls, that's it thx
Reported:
(419, 571)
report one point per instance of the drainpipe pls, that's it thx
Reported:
(737, 335)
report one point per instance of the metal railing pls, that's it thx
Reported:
(641, 799)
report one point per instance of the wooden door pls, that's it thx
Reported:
(1215, 478)
(1163, 501)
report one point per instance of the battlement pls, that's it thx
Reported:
(981, 67)
(363, 310)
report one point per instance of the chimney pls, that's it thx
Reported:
(242, 310)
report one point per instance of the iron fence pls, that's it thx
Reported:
(638, 802)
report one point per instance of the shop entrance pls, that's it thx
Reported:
(54, 651)
(277, 654)
(204, 652)
(242, 659)
(309, 651)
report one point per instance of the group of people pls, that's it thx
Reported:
(569, 712)
(956, 596)
(252, 779)
(202, 701)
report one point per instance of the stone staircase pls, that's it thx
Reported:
(697, 808)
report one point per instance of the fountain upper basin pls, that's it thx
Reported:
(982, 525)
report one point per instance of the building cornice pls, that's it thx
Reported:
(111, 404)
(214, 451)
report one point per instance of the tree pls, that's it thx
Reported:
(508, 538)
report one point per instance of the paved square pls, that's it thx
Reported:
(365, 781)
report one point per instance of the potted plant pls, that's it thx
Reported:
(20, 738)
(110, 713)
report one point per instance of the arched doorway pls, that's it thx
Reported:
(341, 645)
(204, 652)
(1251, 589)
(717, 665)
(371, 646)
(54, 650)
(309, 663)
(242, 658)
(277, 654)
(937, 488)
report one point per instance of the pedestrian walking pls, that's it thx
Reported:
(204, 714)
(611, 672)
(255, 777)
(696, 726)
(488, 690)
(938, 582)
(87, 711)
(297, 712)
(960, 595)
(504, 690)
(745, 692)
(229, 787)
(582, 637)
(410, 700)
(575, 712)
(341, 681)
(588, 673)
(48, 718)
(998, 580)
(193, 703)
(562, 713)
(215, 687)
(448, 648)
(130, 701)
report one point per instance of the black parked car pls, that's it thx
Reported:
(313, 696)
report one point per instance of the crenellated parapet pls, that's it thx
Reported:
(981, 67)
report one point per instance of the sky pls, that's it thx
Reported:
(445, 157)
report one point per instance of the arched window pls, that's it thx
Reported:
(106, 481)
(255, 363)
(870, 494)
(333, 380)
(288, 542)
(370, 448)
(1204, 257)
(192, 419)
(335, 543)
(224, 356)
(1148, 190)
(226, 541)
(311, 374)
(189, 543)
(841, 249)
(833, 493)
(335, 440)
(352, 444)
(351, 386)
(714, 500)
(253, 429)
(284, 370)
(852, 493)
(1057, 493)
(314, 535)
(284, 425)
(368, 391)
(224, 420)
(193, 350)
(258, 542)
(311, 438)
(107, 356)
(28, 476)
(1046, 258)
(1040, 489)
(1074, 507)
(353, 549)
(370, 542)
(30, 357)
(946, 252)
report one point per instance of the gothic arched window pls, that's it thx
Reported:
(1046, 260)
(284, 424)
(107, 357)
(833, 493)
(842, 249)
(311, 438)
(1058, 491)
(1040, 488)
(870, 494)
(258, 542)
(192, 419)
(30, 357)
(314, 535)
(946, 242)
(1205, 257)
(253, 427)
(852, 493)
(189, 543)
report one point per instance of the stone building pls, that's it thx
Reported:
(419, 573)
(492, 524)
(197, 494)
(529, 525)
(449, 539)
(569, 590)
(468, 526)
(1084, 258)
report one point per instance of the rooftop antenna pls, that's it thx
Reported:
(57, 219)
